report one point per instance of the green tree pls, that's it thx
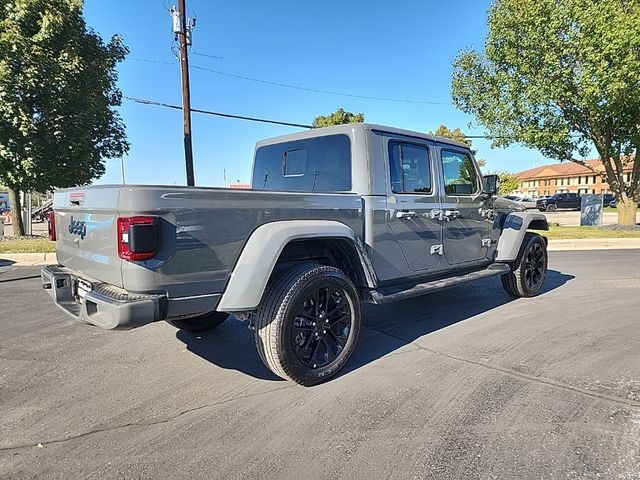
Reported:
(561, 77)
(339, 117)
(508, 183)
(57, 98)
(459, 136)
(455, 134)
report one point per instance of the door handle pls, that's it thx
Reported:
(435, 214)
(406, 214)
(451, 214)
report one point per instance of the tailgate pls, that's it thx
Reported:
(86, 223)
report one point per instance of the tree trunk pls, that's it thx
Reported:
(16, 213)
(626, 211)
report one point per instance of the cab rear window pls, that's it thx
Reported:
(321, 164)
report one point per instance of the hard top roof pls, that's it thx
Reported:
(348, 128)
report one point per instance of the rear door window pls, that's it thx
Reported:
(410, 168)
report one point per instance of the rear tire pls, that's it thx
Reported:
(530, 269)
(202, 323)
(307, 324)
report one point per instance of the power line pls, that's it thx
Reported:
(208, 55)
(298, 87)
(218, 114)
(145, 101)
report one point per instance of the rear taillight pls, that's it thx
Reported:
(51, 225)
(138, 238)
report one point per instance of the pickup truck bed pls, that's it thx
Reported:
(203, 231)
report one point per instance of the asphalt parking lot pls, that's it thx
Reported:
(466, 383)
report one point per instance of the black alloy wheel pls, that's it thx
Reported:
(529, 269)
(535, 266)
(321, 327)
(307, 325)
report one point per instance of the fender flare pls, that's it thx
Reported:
(513, 231)
(258, 258)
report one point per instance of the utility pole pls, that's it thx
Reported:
(122, 168)
(182, 27)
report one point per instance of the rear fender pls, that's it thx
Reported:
(513, 231)
(261, 252)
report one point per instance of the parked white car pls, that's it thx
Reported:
(526, 202)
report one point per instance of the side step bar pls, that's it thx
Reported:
(380, 296)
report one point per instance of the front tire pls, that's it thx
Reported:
(307, 324)
(552, 208)
(201, 323)
(530, 270)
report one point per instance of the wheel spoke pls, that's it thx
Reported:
(337, 338)
(305, 346)
(329, 350)
(314, 352)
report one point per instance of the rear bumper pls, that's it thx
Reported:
(105, 306)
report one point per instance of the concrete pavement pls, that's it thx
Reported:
(467, 383)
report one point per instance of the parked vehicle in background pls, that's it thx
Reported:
(337, 216)
(4, 202)
(607, 198)
(526, 202)
(559, 201)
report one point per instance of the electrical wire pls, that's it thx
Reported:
(297, 87)
(144, 101)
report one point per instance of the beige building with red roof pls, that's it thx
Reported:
(565, 177)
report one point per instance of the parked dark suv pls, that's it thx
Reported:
(607, 198)
(559, 200)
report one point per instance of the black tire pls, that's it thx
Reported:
(202, 323)
(552, 208)
(530, 269)
(291, 337)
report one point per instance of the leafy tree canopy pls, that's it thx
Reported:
(508, 183)
(561, 77)
(57, 96)
(339, 117)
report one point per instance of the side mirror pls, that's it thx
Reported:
(491, 183)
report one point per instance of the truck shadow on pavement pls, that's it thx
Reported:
(5, 262)
(385, 328)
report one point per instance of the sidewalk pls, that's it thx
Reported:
(32, 259)
(27, 259)
(594, 244)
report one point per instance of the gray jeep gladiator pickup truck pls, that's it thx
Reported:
(336, 216)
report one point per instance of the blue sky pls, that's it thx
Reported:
(401, 50)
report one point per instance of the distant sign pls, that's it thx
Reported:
(590, 210)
